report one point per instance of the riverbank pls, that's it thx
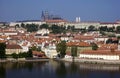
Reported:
(25, 60)
(79, 60)
(93, 61)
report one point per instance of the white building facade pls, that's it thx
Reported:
(97, 56)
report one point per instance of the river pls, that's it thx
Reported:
(57, 69)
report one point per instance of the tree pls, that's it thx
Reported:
(31, 27)
(94, 46)
(103, 28)
(109, 41)
(34, 48)
(73, 28)
(118, 37)
(30, 53)
(14, 55)
(16, 26)
(68, 27)
(118, 29)
(55, 29)
(61, 48)
(103, 33)
(91, 28)
(110, 29)
(23, 55)
(44, 26)
(2, 50)
(22, 25)
(58, 29)
(74, 51)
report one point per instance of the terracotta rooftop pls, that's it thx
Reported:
(101, 52)
(37, 53)
(13, 46)
(81, 37)
(55, 21)
(80, 44)
(107, 46)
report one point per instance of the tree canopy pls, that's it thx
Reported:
(118, 29)
(94, 46)
(91, 28)
(73, 51)
(46, 26)
(2, 50)
(61, 48)
(30, 27)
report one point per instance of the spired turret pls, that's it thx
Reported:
(77, 19)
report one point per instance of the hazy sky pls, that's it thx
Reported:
(88, 10)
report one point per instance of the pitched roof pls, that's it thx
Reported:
(37, 53)
(107, 46)
(80, 44)
(55, 21)
(100, 52)
(81, 37)
(13, 46)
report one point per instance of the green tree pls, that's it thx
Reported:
(103, 33)
(23, 55)
(73, 28)
(58, 29)
(118, 29)
(17, 26)
(31, 27)
(109, 41)
(118, 37)
(2, 50)
(94, 46)
(44, 26)
(14, 55)
(34, 48)
(30, 53)
(68, 27)
(55, 29)
(61, 48)
(91, 28)
(110, 29)
(22, 25)
(103, 28)
(73, 52)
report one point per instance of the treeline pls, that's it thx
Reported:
(104, 28)
(53, 28)
(22, 55)
(63, 29)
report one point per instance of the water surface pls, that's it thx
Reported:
(57, 69)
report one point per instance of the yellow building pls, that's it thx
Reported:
(81, 46)
(13, 48)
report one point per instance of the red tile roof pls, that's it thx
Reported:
(80, 44)
(55, 21)
(80, 37)
(107, 46)
(100, 52)
(13, 46)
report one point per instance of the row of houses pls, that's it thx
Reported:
(62, 22)
(47, 42)
(100, 54)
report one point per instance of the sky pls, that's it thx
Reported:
(87, 10)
